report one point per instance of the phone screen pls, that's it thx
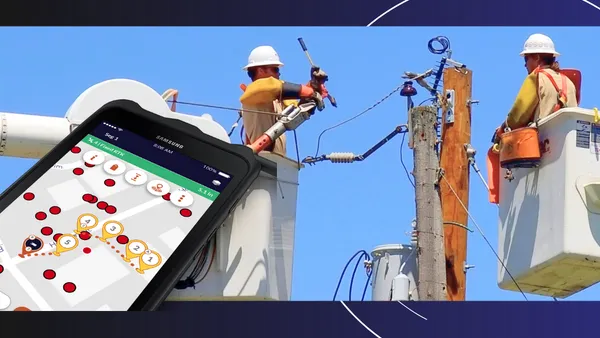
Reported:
(91, 233)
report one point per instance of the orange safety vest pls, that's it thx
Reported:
(562, 91)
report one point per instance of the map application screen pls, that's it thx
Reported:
(91, 233)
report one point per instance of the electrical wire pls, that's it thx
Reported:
(201, 259)
(235, 125)
(242, 135)
(200, 263)
(363, 252)
(354, 117)
(239, 118)
(484, 236)
(360, 258)
(195, 104)
(297, 149)
(443, 41)
(277, 114)
(432, 99)
(369, 274)
(212, 259)
(402, 161)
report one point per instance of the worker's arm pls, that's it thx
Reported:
(270, 89)
(523, 110)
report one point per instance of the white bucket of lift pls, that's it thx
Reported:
(387, 261)
(255, 246)
(549, 217)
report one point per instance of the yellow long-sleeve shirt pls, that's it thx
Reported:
(537, 98)
(264, 95)
(525, 104)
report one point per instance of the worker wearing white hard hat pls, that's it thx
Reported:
(545, 89)
(263, 56)
(269, 94)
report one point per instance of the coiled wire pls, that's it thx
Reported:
(443, 41)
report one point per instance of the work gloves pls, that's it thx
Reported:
(317, 98)
(318, 74)
(317, 81)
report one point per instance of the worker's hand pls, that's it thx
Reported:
(319, 88)
(323, 91)
(318, 98)
(318, 75)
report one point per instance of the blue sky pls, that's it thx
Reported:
(45, 69)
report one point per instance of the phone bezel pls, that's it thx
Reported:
(238, 161)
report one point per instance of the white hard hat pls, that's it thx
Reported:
(263, 56)
(539, 44)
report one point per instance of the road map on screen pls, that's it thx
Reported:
(94, 230)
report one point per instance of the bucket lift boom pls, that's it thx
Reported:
(261, 226)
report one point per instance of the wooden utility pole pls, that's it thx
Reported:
(456, 132)
(430, 229)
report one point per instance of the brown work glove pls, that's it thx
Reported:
(318, 75)
(317, 81)
(317, 98)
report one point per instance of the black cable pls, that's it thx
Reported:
(443, 41)
(189, 281)
(242, 135)
(297, 149)
(200, 262)
(354, 117)
(429, 99)
(201, 259)
(366, 285)
(212, 259)
(226, 108)
(344, 272)
(361, 257)
(402, 161)
(233, 129)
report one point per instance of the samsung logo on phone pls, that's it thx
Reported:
(169, 142)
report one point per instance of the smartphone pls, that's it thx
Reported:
(112, 217)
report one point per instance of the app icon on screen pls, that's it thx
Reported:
(136, 177)
(182, 198)
(114, 167)
(158, 187)
(93, 157)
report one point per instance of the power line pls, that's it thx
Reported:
(195, 104)
(354, 117)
